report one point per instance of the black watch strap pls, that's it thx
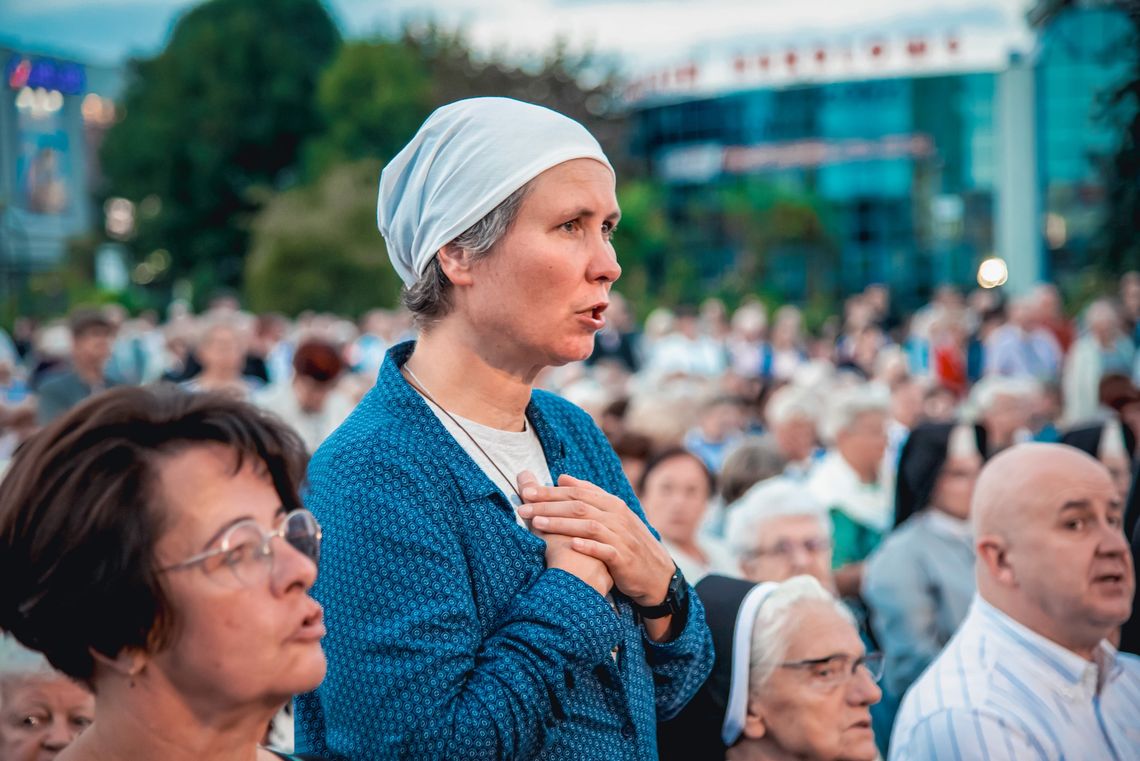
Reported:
(676, 599)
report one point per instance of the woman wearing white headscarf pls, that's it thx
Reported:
(490, 585)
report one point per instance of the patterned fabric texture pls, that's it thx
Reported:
(448, 636)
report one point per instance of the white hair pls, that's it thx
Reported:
(789, 402)
(846, 405)
(750, 318)
(778, 497)
(987, 391)
(774, 622)
(1101, 310)
(18, 662)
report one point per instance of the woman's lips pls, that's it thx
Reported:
(312, 628)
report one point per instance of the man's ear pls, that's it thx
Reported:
(455, 263)
(994, 554)
(754, 726)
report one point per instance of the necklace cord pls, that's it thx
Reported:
(418, 385)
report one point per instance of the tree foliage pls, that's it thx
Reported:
(221, 112)
(376, 93)
(1120, 235)
(317, 247)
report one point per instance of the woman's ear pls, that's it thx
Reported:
(754, 726)
(129, 663)
(455, 262)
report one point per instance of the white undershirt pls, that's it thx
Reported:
(513, 451)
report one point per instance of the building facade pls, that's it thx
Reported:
(924, 153)
(53, 113)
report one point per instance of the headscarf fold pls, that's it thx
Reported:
(466, 159)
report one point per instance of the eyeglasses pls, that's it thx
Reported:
(246, 548)
(837, 670)
(785, 548)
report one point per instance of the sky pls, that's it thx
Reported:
(635, 34)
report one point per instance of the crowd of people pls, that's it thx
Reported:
(545, 530)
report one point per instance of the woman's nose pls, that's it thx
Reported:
(291, 568)
(604, 266)
(862, 689)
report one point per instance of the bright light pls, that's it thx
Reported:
(992, 272)
(120, 215)
(1056, 231)
(98, 110)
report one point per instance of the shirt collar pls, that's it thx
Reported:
(1072, 675)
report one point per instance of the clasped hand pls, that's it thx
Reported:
(601, 526)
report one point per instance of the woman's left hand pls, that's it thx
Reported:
(602, 526)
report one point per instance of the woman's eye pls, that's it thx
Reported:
(81, 722)
(240, 554)
(31, 721)
(571, 226)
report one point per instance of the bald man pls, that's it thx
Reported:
(1030, 673)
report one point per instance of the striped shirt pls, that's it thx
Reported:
(1000, 691)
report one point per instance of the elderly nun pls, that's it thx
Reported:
(491, 587)
(792, 680)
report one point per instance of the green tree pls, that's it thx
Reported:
(376, 93)
(317, 247)
(372, 98)
(220, 113)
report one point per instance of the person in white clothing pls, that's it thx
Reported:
(1031, 673)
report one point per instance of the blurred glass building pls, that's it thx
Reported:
(926, 152)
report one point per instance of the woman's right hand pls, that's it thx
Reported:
(559, 553)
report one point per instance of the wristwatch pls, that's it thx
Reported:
(676, 599)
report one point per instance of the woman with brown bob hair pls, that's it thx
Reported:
(153, 546)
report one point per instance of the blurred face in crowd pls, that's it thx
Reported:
(721, 421)
(248, 633)
(787, 546)
(1130, 293)
(906, 403)
(675, 497)
(539, 295)
(955, 485)
(1007, 414)
(222, 351)
(1120, 469)
(92, 347)
(1104, 326)
(817, 711)
(1050, 535)
(786, 333)
(795, 437)
(40, 715)
(863, 442)
(312, 394)
(940, 405)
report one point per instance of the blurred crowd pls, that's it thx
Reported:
(760, 450)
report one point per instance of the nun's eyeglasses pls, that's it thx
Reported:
(837, 670)
(786, 548)
(246, 549)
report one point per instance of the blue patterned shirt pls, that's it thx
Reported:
(448, 636)
(1002, 692)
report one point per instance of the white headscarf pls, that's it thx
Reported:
(466, 159)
